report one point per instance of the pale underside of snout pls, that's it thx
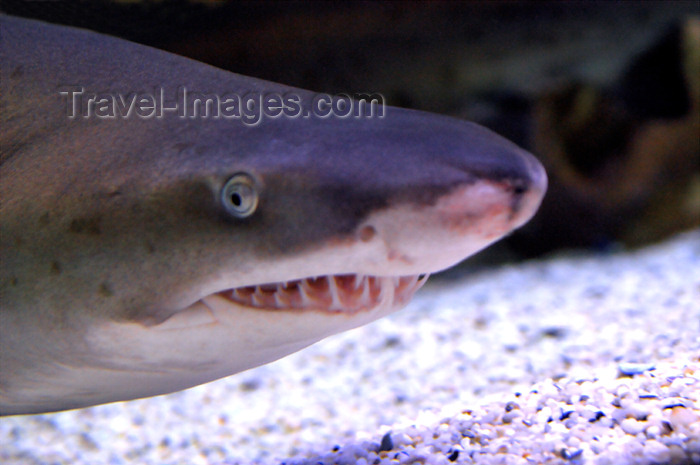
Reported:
(213, 338)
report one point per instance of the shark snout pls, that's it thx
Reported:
(498, 190)
(527, 189)
(503, 184)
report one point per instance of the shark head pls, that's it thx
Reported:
(145, 256)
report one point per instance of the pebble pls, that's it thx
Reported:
(608, 387)
(631, 369)
(632, 426)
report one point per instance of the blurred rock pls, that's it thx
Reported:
(623, 166)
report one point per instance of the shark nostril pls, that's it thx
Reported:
(367, 233)
(519, 189)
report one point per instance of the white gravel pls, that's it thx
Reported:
(519, 365)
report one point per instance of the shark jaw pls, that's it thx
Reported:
(347, 294)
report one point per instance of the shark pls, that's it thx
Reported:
(146, 249)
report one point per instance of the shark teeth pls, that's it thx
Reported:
(337, 293)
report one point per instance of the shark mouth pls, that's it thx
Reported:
(348, 293)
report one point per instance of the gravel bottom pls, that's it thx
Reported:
(574, 359)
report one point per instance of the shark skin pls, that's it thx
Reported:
(141, 254)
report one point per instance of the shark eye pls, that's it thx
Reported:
(240, 195)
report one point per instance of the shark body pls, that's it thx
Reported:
(144, 255)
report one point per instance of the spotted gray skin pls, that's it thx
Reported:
(116, 241)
